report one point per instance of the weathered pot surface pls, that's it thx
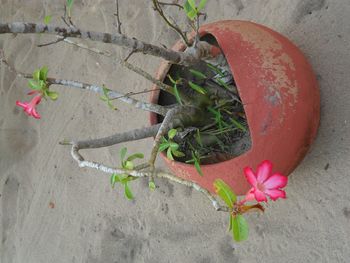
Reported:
(280, 95)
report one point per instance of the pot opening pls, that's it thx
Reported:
(211, 86)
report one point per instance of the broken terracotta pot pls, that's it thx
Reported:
(281, 99)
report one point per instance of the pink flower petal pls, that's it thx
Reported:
(264, 170)
(274, 194)
(260, 196)
(22, 104)
(35, 114)
(275, 181)
(249, 174)
(248, 197)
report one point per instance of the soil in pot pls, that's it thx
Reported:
(226, 134)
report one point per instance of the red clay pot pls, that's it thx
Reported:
(280, 95)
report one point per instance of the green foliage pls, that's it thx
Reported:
(239, 227)
(197, 88)
(124, 179)
(198, 74)
(225, 192)
(196, 160)
(40, 84)
(192, 10)
(69, 5)
(176, 91)
(170, 146)
(105, 97)
(238, 125)
(47, 19)
(152, 185)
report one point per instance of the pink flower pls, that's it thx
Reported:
(29, 107)
(264, 183)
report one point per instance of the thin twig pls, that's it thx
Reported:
(159, 9)
(51, 43)
(117, 23)
(171, 4)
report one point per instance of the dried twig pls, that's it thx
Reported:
(117, 22)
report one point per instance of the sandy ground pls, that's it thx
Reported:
(53, 211)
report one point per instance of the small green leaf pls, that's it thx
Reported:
(43, 73)
(33, 84)
(192, 3)
(53, 95)
(128, 165)
(225, 192)
(240, 228)
(177, 95)
(123, 153)
(238, 125)
(172, 80)
(47, 19)
(36, 75)
(172, 133)
(189, 10)
(197, 88)
(114, 179)
(178, 153)
(135, 156)
(222, 83)
(128, 192)
(201, 5)
(152, 185)
(163, 147)
(198, 74)
(70, 3)
(198, 167)
(169, 154)
(215, 69)
(231, 223)
(173, 146)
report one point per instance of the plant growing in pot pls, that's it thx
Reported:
(231, 95)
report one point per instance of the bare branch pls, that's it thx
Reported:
(117, 22)
(52, 42)
(171, 4)
(159, 9)
(202, 50)
(133, 135)
(112, 94)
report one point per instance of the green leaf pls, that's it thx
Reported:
(114, 179)
(189, 10)
(135, 156)
(163, 147)
(123, 153)
(240, 228)
(47, 19)
(198, 138)
(70, 3)
(128, 192)
(231, 223)
(52, 94)
(201, 5)
(198, 167)
(33, 84)
(172, 80)
(192, 3)
(198, 74)
(169, 154)
(178, 153)
(152, 185)
(222, 83)
(43, 73)
(238, 125)
(36, 75)
(225, 192)
(177, 95)
(197, 88)
(215, 69)
(173, 146)
(172, 133)
(128, 165)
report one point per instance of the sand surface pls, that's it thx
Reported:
(53, 211)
